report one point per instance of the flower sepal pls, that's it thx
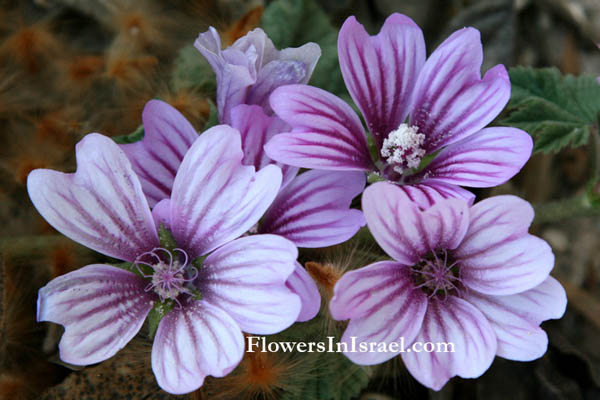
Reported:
(156, 314)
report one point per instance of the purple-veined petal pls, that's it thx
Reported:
(383, 306)
(301, 283)
(381, 71)
(326, 132)
(516, 318)
(428, 193)
(484, 159)
(256, 129)
(215, 198)
(247, 278)
(406, 232)
(473, 340)
(313, 210)
(101, 205)
(451, 100)
(101, 307)
(192, 342)
(497, 255)
(156, 158)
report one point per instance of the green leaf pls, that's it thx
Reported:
(133, 137)
(157, 313)
(213, 116)
(558, 111)
(166, 238)
(192, 71)
(292, 23)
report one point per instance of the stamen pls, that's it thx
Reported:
(403, 148)
(434, 274)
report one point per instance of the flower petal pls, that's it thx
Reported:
(326, 134)
(497, 255)
(215, 198)
(484, 159)
(516, 318)
(428, 193)
(381, 71)
(457, 322)
(193, 342)
(156, 158)
(272, 75)
(451, 100)
(383, 306)
(301, 283)
(101, 206)
(406, 232)
(313, 210)
(101, 307)
(256, 129)
(247, 278)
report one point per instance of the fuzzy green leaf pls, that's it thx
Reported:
(166, 238)
(286, 22)
(192, 71)
(558, 111)
(157, 313)
(213, 116)
(133, 137)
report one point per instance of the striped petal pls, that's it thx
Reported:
(381, 71)
(156, 158)
(487, 158)
(326, 132)
(215, 198)
(516, 318)
(498, 256)
(301, 283)
(247, 277)
(313, 210)
(406, 232)
(458, 323)
(451, 100)
(428, 193)
(383, 307)
(101, 307)
(192, 342)
(256, 129)
(101, 206)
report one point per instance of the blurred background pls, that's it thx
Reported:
(71, 67)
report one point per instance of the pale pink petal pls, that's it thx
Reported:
(497, 255)
(313, 210)
(301, 283)
(161, 213)
(326, 134)
(192, 342)
(383, 306)
(215, 198)
(256, 129)
(428, 193)
(406, 232)
(516, 318)
(101, 206)
(484, 159)
(247, 277)
(471, 336)
(451, 100)
(101, 307)
(156, 158)
(381, 71)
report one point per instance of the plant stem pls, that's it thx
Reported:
(578, 206)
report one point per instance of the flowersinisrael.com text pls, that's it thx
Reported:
(259, 344)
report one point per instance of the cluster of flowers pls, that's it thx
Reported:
(234, 208)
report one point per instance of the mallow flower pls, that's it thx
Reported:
(467, 275)
(212, 284)
(426, 118)
(311, 209)
(251, 68)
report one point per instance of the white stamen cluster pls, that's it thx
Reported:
(402, 148)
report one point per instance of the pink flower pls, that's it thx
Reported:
(415, 110)
(471, 276)
(218, 283)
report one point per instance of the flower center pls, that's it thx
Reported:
(402, 148)
(436, 273)
(171, 272)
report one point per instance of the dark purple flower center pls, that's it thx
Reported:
(402, 149)
(437, 273)
(171, 272)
